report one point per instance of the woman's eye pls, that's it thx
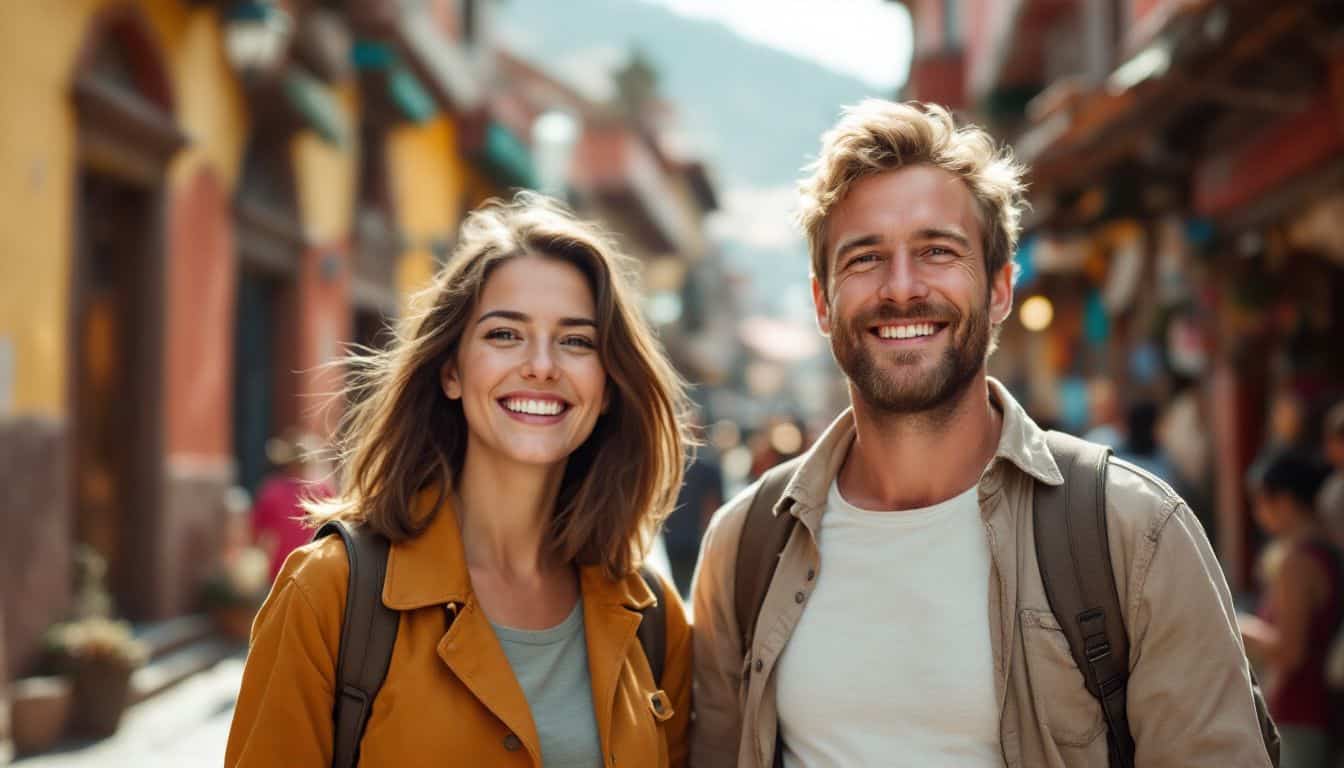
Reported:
(502, 334)
(579, 341)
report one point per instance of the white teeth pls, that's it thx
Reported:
(533, 407)
(906, 331)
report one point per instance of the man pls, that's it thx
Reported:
(906, 622)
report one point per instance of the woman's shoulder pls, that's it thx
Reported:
(319, 571)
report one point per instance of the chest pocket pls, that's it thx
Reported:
(1071, 714)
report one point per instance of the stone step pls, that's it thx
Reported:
(164, 637)
(181, 662)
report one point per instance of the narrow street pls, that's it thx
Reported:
(184, 727)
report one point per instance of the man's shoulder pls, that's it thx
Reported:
(1137, 501)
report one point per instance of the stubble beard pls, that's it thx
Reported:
(901, 383)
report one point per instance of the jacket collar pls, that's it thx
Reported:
(1021, 443)
(431, 569)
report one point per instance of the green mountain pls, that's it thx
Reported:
(757, 112)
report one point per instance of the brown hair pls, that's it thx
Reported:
(403, 435)
(876, 135)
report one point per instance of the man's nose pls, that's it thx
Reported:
(903, 281)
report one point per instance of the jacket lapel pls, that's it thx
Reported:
(430, 570)
(611, 617)
(472, 651)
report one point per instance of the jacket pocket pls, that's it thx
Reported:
(1062, 701)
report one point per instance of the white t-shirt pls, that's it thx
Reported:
(891, 663)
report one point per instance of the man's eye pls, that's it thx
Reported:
(863, 258)
(938, 252)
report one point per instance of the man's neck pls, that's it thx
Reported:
(910, 461)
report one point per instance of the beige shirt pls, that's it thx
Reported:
(1189, 697)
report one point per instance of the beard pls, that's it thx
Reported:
(900, 382)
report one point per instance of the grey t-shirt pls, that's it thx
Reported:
(552, 667)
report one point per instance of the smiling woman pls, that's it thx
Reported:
(516, 445)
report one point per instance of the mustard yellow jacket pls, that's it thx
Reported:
(450, 697)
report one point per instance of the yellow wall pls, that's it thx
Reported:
(427, 189)
(39, 45)
(325, 175)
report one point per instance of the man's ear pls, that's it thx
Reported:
(822, 308)
(450, 381)
(1001, 294)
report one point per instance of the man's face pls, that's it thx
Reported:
(910, 305)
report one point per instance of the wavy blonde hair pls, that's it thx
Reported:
(876, 135)
(402, 435)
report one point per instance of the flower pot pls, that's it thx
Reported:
(234, 621)
(101, 691)
(39, 710)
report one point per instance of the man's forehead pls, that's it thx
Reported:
(902, 203)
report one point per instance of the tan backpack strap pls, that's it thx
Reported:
(764, 535)
(368, 633)
(1074, 555)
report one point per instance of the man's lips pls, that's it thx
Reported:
(907, 331)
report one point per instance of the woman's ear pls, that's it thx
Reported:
(449, 380)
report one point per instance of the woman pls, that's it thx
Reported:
(1301, 610)
(517, 446)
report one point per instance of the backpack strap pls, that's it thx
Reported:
(1074, 555)
(368, 633)
(652, 631)
(764, 535)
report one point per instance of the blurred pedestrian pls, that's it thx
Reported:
(516, 447)
(701, 494)
(1140, 445)
(278, 525)
(1302, 606)
(1330, 503)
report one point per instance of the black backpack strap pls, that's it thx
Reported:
(653, 627)
(764, 535)
(1075, 561)
(368, 633)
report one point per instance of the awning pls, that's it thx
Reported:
(315, 105)
(404, 91)
(505, 157)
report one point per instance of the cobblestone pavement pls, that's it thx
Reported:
(184, 727)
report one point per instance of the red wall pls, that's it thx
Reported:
(199, 317)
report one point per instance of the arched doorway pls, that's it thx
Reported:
(126, 137)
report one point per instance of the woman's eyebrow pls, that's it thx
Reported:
(523, 317)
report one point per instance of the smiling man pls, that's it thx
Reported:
(903, 620)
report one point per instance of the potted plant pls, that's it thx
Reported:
(100, 655)
(40, 707)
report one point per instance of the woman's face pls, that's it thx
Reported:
(527, 370)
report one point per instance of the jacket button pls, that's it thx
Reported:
(513, 743)
(799, 597)
(759, 665)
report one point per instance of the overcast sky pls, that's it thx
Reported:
(867, 39)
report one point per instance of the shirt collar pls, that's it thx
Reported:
(1021, 443)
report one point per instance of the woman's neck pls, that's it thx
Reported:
(504, 511)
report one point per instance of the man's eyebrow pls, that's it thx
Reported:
(936, 233)
(861, 241)
(523, 317)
